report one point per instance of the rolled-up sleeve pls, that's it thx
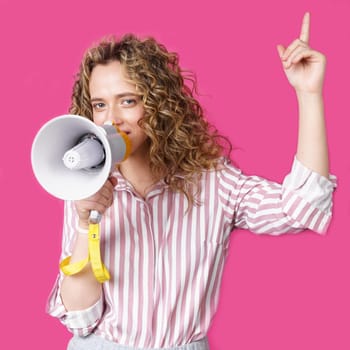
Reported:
(307, 197)
(81, 322)
(303, 201)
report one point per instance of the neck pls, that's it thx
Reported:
(136, 169)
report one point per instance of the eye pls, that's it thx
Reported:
(128, 102)
(98, 106)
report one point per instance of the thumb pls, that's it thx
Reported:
(113, 180)
(280, 50)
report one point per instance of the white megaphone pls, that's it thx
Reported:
(72, 157)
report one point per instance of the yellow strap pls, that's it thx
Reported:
(99, 269)
(71, 269)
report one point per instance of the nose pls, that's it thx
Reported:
(112, 116)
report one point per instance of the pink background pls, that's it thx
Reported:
(289, 292)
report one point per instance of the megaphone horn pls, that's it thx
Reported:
(72, 157)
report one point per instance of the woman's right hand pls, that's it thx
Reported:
(100, 201)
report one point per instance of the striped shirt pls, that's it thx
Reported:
(166, 262)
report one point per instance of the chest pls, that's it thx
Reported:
(164, 219)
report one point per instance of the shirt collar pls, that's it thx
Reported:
(124, 184)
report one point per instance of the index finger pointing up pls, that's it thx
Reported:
(305, 28)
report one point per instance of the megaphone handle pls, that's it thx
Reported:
(95, 217)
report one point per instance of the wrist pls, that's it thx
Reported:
(303, 94)
(309, 99)
(83, 231)
(82, 227)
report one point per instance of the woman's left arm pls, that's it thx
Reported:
(305, 70)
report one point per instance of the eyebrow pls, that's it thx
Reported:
(121, 95)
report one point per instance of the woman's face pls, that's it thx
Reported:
(115, 99)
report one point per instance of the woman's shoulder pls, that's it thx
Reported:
(224, 164)
(224, 170)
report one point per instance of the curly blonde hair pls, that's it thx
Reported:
(182, 143)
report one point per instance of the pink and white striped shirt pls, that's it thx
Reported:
(166, 262)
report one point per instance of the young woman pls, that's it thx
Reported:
(169, 208)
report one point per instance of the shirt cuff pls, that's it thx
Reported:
(84, 319)
(307, 197)
(54, 306)
(80, 322)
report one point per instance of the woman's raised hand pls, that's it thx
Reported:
(304, 67)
